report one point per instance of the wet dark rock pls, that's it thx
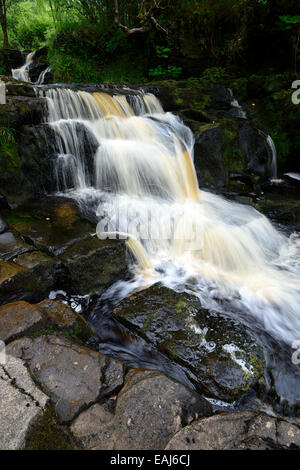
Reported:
(43, 268)
(16, 283)
(237, 431)
(18, 319)
(50, 224)
(17, 88)
(10, 59)
(255, 149)
(150, 408)
(73, 376)
(94, 264)
(285, 212)
(22, 110)
(38, 153)
(62, 317)
(209, 155)
(38, 150)
(220, 352)
(28, 276)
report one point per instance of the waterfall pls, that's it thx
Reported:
(42, 76)
(272, 147)
(235, 104)
(140, 180)
(22, 74)
(295, 176)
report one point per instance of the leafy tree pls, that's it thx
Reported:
(4, 5)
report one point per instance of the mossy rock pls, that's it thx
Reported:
(223, 354)
(284, 212)
(61, 317)
(94, 264)
(47, 434)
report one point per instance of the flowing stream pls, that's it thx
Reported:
(22, 73)
(140, 184)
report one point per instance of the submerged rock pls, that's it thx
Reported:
(220, 352)
(71, 374)
(21, 403)
(237, 431)
(150, 408)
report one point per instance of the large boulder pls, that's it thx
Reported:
(222, 354)
(150, 409)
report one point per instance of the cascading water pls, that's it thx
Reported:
(272, 147)
(22, 73)
(141, 183)
(235, 104)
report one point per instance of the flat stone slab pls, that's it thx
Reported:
(237, 431)
(72, 375)
(150, 408)
(21, 402)
(19, 318)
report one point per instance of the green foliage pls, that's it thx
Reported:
(288, 22)
(171, 72)
(214, 74)
(9, 156)
(28, 23)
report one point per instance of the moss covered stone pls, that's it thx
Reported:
(47, 434)
(223, 355)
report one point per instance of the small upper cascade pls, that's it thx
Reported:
(42, 76)
(22, 74)
(273, 151)
(235, 104)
